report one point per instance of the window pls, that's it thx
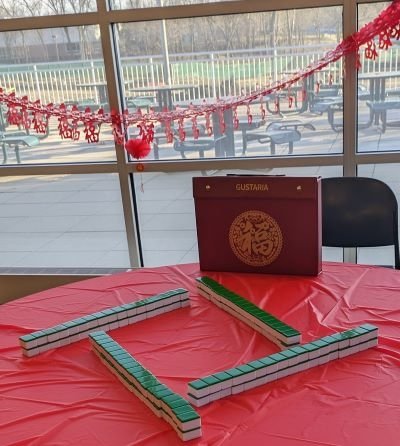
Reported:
(32, 8)
(174, 64)
(206, 51)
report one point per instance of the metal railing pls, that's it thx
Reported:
(214, 74)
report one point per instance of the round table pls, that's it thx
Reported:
(66, 397)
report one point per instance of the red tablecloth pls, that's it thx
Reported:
(66, 397)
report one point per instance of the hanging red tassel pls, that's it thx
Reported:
(249, 115)
(276, 104)
(262, 109)
(209, 128)
(168, 131)
(138, 148)
(290, 98)
(235, 118)
(181, 131)
(195, 129)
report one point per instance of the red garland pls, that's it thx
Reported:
(23, 113)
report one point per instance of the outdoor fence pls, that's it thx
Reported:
(214, 74)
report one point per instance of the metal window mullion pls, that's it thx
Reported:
(110, 65)
(350, 108)
(350, 94)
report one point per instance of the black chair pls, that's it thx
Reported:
(359, 212)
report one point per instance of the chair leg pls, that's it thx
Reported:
(3, 147)
(156, 152)
(244, 142)
(384, 120)
(272, 148)
(17, 154)
(290, 147)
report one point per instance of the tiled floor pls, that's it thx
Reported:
(77, 220)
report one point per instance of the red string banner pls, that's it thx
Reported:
(235, 118)
(370, 50)
(262, 109)
(23, 112)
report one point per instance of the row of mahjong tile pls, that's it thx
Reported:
(108, 319)
(159, 398)
(268, 325)
(278, 365)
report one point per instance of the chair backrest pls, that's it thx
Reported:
(359, 212)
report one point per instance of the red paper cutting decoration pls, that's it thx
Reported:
(235, 118)
(249, 115)
(14, 115)
(276, 103)
(395, 32)
(24, 115)
(40, 119)
(384, 27)
(290, 98)
(92, 132)
(384, 40)
(116, 123)
(370, 51)
(222, 125)
(168, 131)
(209, 128)
(262, 109)
(181, 131)
(92, 126)
(65, 130)
(195, 129)
(150, 132)
(39, 124)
